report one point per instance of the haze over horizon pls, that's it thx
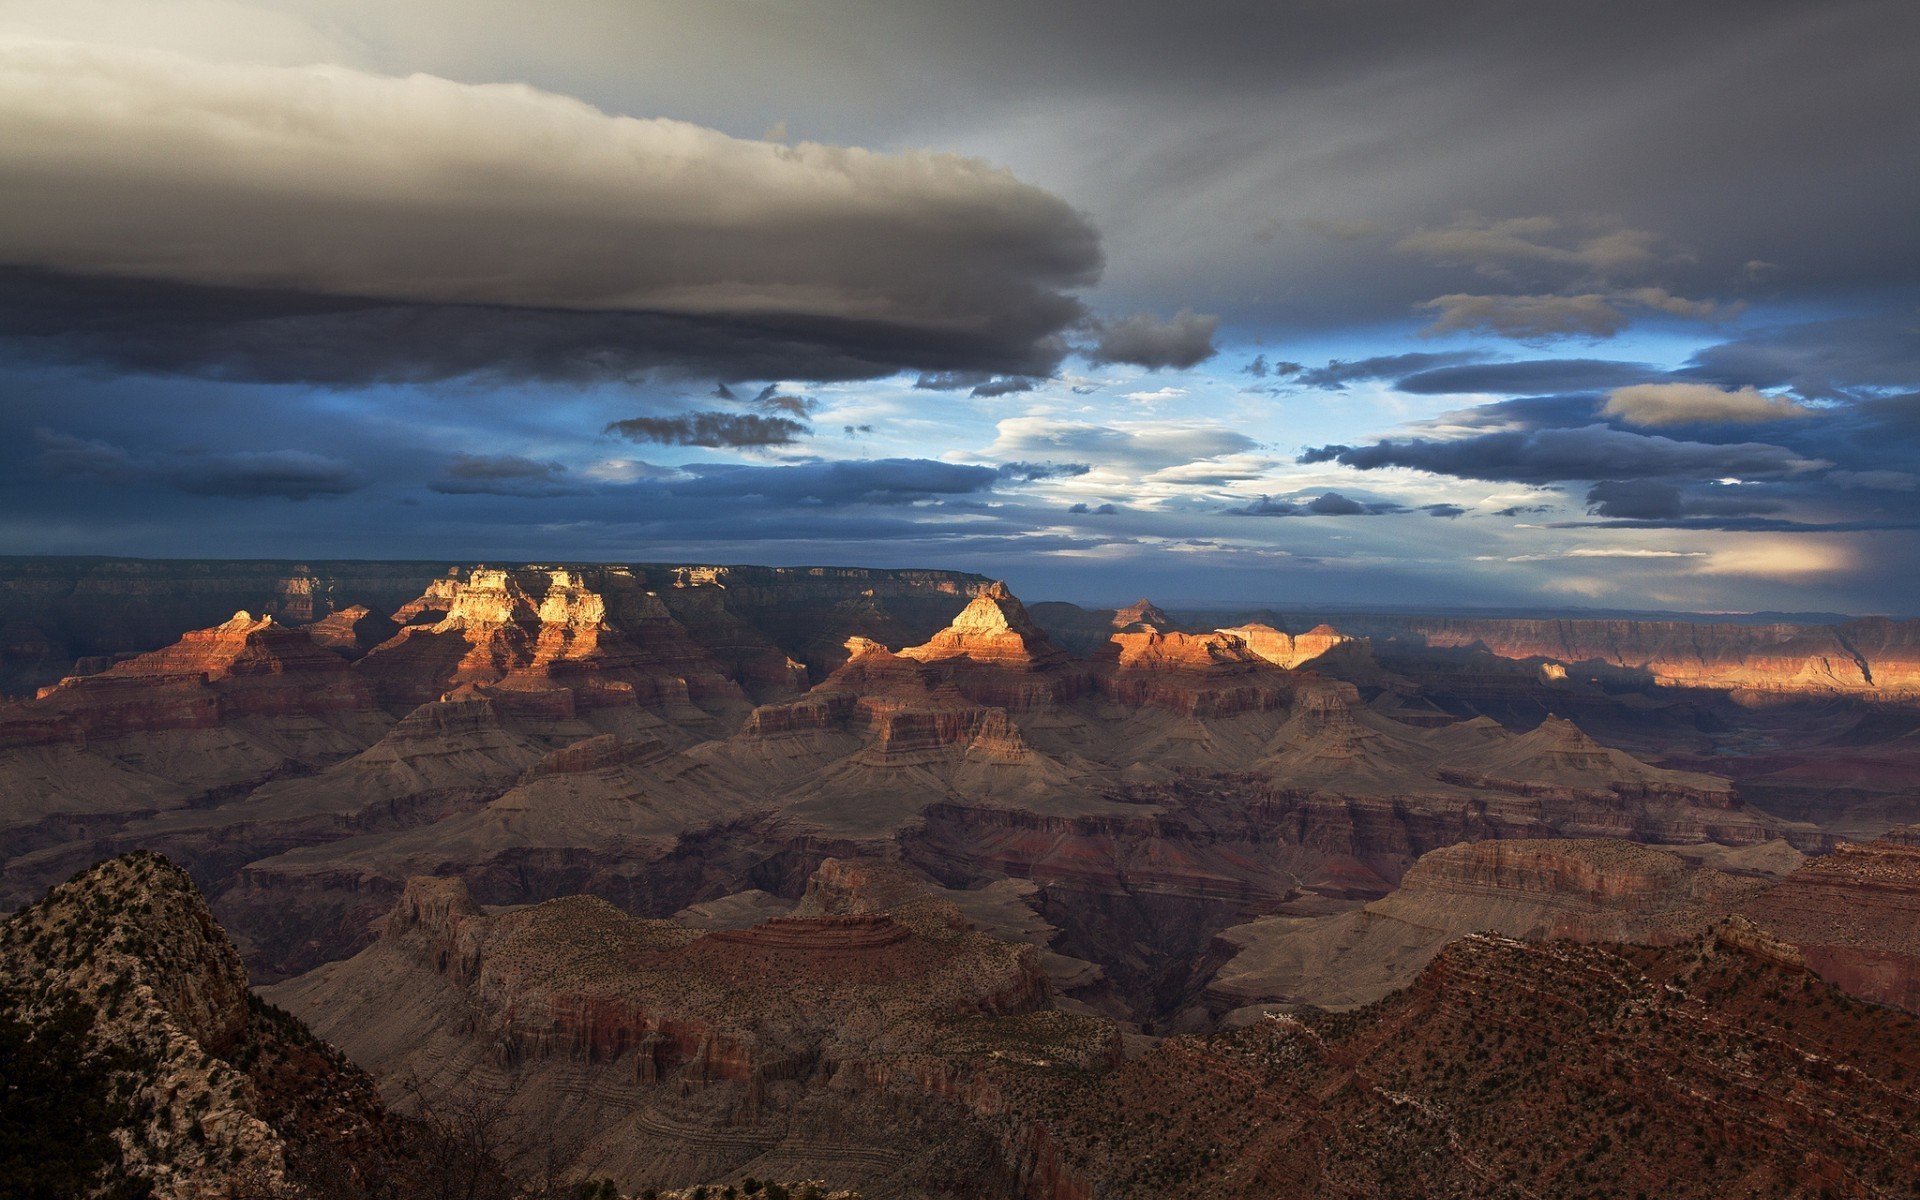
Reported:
(1482, 305)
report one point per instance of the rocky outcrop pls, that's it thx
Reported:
(1202, 675)
(208, 1092)
(995, 630)
(1855, 917)
(1142, 614)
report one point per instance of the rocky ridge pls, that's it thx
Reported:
(213, 1093)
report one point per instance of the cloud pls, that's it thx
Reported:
(347, 201)
(1260, 368)
(1140, 447)
(1597, 552)
(69, 457)
(711, 429)
(1782, 558)
(1338, 373)
(771, 399)
(1525, 318)
(1544, 318)
(1658, 404)
(1532, 377)
(1655, 500)
(1884, 481)
(244, 474)
(289, 474)
(1005, 385)
(501, 475)
(975, 383)
(1449, 511)
(1095, 510)
(1030, 472)
(1845, 358)
(1493, 245)
(1553, 455)
(1144, 340)
(1216, 471)
(884, 481)
(1329, 504)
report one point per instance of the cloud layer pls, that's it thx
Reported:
(355, 199)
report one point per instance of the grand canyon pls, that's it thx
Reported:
(886, 882)
(905, 600)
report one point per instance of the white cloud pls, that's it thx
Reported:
(1138, 447)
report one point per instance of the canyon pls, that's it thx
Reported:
(880, 877)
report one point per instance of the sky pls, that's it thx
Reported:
(1348, 302)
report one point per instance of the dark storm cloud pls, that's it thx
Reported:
(244, 474)
(1448, 511)
(1144, 340)
(291, 337)
(290, 474)
(1330, 504)
(1005, 385)
(1846, 358)
(1555, 455)
(710, 429)
(1532, 377)
(1655, 500)
(974, 383)
(502, 475)
(542, 237)
(1338, 373)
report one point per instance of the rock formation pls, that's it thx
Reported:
(714, 1054)
(1211, 674)
(1855, 917)
(1142, 614)
(1585, 889)
(202, 1090)
(1286, 650)
(243, 667)
(993, 629)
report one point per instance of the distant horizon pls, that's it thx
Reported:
(1168, 600)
